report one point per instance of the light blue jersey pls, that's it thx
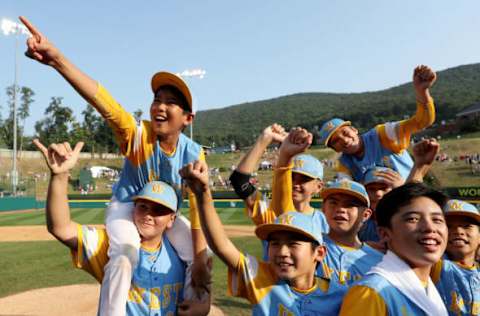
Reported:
(158, 279)
(138, 171)
(344, 265)
(458, 286)
(255, 281)
(376, 154)
(374, 295)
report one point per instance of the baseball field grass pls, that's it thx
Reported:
(39, 264)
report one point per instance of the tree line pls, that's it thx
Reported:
(57, 125)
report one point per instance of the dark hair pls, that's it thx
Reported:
(178, 94)
(399, 197)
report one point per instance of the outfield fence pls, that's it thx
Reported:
(222, 199)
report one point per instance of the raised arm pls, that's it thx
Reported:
(424, 153)
(249, 164)
(196, 176)
(297, 142)
(60, 159)
(396, 136)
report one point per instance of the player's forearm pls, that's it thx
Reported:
(82, 83)
(282, 190)
(249, 162)
(425, 115)
(59, 223)
(422, 95)
(213, 229)
(417, 173)
(284, 159)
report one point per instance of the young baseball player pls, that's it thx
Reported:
(378, 181)
(457, 277)
(158, 278)
(386, 144)
(411, 220)
(153, 150)
(306, 179)
(346, 208)
(286, 284)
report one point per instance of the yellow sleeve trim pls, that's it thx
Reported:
(77, 255)
(436, 272)
(282, 188)
(362, 300)
(423, 118)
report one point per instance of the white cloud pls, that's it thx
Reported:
(197, 72)
(11, 27)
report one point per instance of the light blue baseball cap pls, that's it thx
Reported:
(346, 186)
(372, 176)
(461, 208)
(161, 193)
(294, 222)
(308, 165)
(330, 127)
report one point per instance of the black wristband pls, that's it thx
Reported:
(241, 184)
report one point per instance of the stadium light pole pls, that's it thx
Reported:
(186, 75)
(11, 27)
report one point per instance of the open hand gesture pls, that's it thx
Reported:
(39, 47)
(60, 158)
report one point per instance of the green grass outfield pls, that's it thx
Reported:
(39, 264)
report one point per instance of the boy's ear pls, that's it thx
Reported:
(385, 234)
(319, 186)
(367, 213)
(172, 219)
(188, 118)
(320, 253)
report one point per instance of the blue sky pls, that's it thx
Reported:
(250, 50)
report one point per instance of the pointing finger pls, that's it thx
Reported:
(36, 33)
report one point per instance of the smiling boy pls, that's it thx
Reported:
(153, 150)
(457, 276)
(158, 279)
(345, 209)
(286, 283)
(386, 144)
(411, 221)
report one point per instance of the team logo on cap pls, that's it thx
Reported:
(285, 219)
(456, 205)
(345, 185)
(330, 126)
(298, 163)
(157, 188)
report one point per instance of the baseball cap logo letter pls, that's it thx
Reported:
(286, 219)
(156, 188)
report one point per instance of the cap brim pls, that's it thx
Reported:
(346, 123)
(262, 231)
(164, 78)
(326, 192)
(305, 174)
(156, 201)
(463, 213)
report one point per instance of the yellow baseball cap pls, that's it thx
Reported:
(164, 78)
